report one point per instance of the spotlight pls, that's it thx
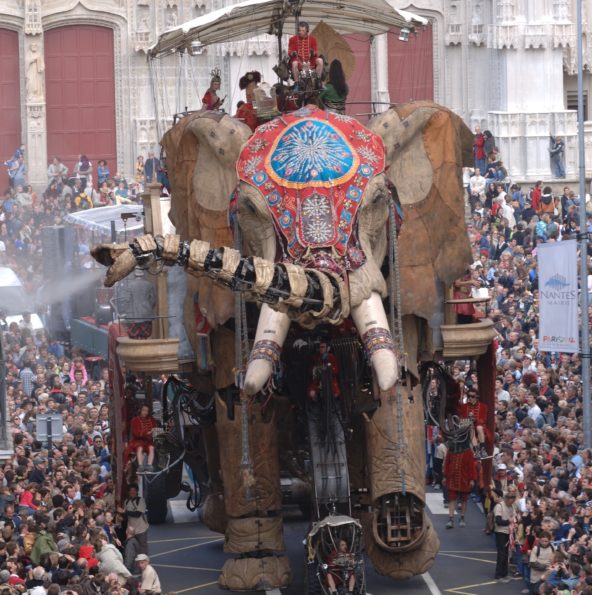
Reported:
(404, 34)
(196, 48)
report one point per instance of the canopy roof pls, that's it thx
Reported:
(254, 17)
(99, 219)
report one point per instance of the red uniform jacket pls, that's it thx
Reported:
(304, 47)
(459, 470)
(479, 146)
(211, 100)
(246, 112)
(536, 199)
(142, 431)
(478, 412)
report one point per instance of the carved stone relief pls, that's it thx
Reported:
(35, 76)
(33, 24)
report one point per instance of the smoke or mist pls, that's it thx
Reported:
(68, 286)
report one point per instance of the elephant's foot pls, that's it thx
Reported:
(256, 574)
(272, 330)
(213, 514)
(372, 324)
(402, 564)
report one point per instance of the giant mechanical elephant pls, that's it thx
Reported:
(312, 192)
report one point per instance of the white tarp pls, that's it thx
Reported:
(255, 17)
(99, 219)
(558, 296)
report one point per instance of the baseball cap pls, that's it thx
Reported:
(4, 576)
(141, 557)
(502, 467)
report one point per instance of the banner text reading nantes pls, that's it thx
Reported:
(558, 296)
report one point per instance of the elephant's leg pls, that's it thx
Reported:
(400, 540)
(254, 529)
(272, 330)
(371, 322)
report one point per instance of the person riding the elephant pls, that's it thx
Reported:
(302, 49)
(246, 112)
(141, 430)
(210, 100)
(341, 569)
(321, 360)
(333, 96)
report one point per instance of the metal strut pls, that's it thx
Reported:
(396, 324)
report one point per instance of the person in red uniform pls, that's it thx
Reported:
(460, 474)
(321, 359)
(477, 412)
(210, 100)
(246, 112)
(302, 49)
(141, 427)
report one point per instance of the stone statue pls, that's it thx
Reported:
(35, 74)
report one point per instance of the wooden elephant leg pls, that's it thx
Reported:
(399, 538)
(254, 528)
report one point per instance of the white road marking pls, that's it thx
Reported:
(179, 513)
(435, 503)
(273, 592)
(432, 586)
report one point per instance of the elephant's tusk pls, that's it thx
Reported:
(272, 330)
(371, 322)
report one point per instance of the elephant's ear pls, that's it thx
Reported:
(201, 151)
(427, 145)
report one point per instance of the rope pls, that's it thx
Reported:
(154, 96)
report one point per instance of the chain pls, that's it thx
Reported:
(241, 349)
(396, 323)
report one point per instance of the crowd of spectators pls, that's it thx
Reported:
(60, 528)
(542, 475)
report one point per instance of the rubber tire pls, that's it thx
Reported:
(156, 500)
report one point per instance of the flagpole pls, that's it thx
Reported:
(585, 348)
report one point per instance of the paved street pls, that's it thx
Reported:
(188, 557)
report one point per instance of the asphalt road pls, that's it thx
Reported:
(188, 558)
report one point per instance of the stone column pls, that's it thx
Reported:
(35, 112)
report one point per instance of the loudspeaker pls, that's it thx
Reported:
(52, 250)
(59, 246)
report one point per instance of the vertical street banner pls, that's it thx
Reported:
(558, 296)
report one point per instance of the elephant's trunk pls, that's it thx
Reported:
(307, 295)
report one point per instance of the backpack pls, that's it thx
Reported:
(546, 199)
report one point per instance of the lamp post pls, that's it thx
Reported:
(585, 349)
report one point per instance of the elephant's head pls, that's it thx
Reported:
(312, 191)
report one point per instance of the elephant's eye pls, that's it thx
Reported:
(250, 206)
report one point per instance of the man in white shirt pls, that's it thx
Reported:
(477, 184)
(500, 393)
(150, 581)
(533, 409)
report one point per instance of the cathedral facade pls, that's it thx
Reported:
(75, 75)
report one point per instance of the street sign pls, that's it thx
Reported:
(50, 427)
